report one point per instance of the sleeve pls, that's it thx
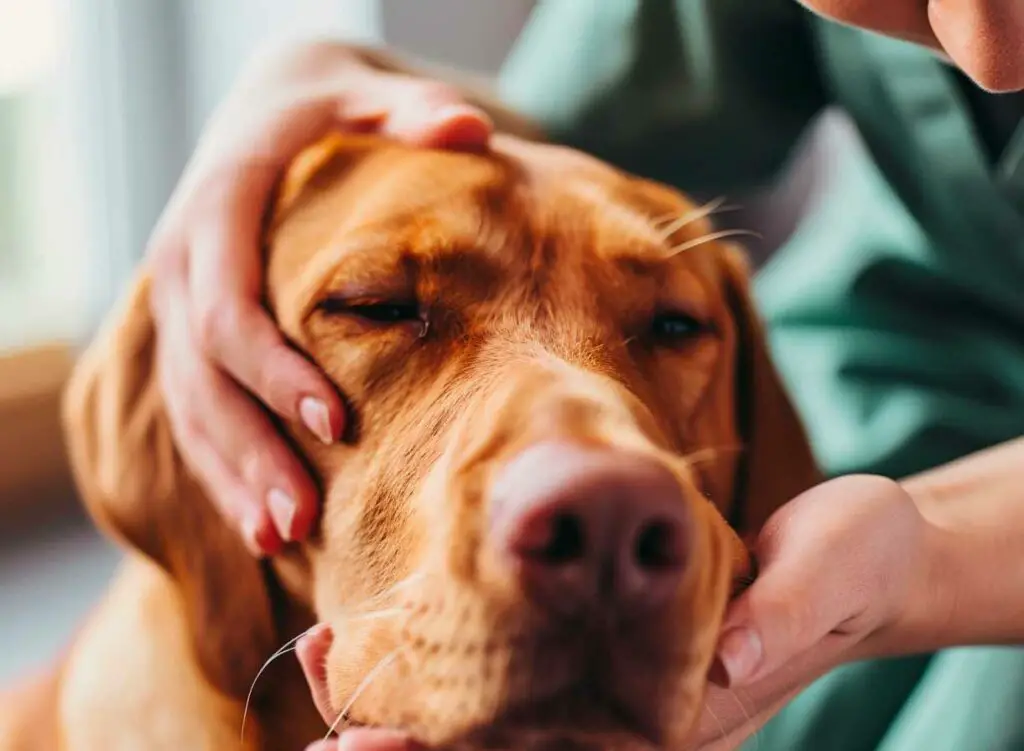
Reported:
(707, 95)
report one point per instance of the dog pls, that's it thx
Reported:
(564, 422)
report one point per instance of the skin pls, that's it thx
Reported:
(204, 258)
(983, 37)
(207, 270)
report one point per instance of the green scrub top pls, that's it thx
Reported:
(895, 310)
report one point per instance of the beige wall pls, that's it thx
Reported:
(471, 34)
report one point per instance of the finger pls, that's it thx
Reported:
(791, 607)
(254, 477)
(827, 555)
(225, 287)
(312, 651)
(249, 444)
(232, 499)
(367, 739)
(424, 113)
(453, 126)
(770, 624)
(184, 388)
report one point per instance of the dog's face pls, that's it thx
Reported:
(541, 355)
(559, 393)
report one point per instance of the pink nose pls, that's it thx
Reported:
(589, 528)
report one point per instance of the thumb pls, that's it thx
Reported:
(786, 612)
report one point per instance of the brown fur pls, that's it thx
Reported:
(539, 270)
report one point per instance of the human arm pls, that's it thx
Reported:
(976, 504)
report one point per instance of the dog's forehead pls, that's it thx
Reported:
(518, 205)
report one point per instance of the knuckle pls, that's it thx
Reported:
(275, 384)
(436, 93)
(215, 324)
(263, 461)
(186, 425)
(251, 467)
(285, 376)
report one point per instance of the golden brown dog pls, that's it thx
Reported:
(560, 394)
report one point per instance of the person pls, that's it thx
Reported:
(894, 312)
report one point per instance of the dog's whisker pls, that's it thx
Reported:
(749, 719)
(711, 237)
(386, 661)
(677, 222)
(692, 216)
(288, 646)
(721, 727)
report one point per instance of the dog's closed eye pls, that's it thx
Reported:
(377, 312)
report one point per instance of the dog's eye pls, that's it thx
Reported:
(379, 312)
(387, 312)
(676, 326)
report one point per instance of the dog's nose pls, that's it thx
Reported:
(588, 528)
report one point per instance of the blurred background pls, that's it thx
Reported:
(101, 102)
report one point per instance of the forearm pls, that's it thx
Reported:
(975, 511)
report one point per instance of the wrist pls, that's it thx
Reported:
(924, 621)
(971, 578)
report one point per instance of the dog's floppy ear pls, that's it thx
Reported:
(778, 463)
(135, 486)
(132, 478)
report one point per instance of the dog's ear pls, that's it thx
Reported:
(132, 478)
(778, 463)
(135, 486)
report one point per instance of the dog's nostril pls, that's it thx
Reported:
(566, 541)
(589, 527)
(657, 546)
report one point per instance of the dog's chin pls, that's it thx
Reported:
(592, 715)
(575, 719)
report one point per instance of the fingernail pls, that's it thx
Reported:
(316, 418)
(250, 535)
(740, 652)
(282, 511)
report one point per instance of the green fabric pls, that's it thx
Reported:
(896, 311)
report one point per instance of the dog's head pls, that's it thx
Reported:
(563, 417)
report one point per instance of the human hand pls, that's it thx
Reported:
(847, 573)
(846, 570)
(220, 356)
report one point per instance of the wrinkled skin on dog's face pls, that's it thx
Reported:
(516, 315)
